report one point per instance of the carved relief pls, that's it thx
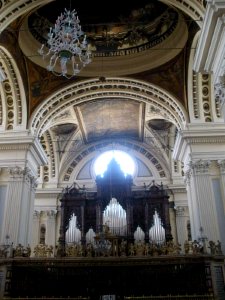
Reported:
(200, 166)
(221, 164)
(180, 211)
(187, 176)
(36, 214)
(51, 214)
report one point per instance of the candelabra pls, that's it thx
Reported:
(68, 48)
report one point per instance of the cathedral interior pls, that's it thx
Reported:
(112, 149)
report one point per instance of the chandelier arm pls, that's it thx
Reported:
(66, 41)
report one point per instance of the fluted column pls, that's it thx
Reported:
(36, 229)
(173, 222)
(192, 203)
(51, 228)
(19, 203)
(202, 201)
(221, 165)
(182, 218)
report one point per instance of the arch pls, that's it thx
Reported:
(193, 101)
(11, 10)
(160, 101)
(195, 9)
(13, 106)
(160, 168)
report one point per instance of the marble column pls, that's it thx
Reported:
(202, 203)
(173, 222)
(36, 229)
(221, 165)
(19, 203)
(182, 218)
(51, 228)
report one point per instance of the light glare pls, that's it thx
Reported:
(123, 159)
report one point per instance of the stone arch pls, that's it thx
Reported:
(11, 10)
(161, 103)
(160, 167)
(202, 106)
(195, 9)
(13, 106)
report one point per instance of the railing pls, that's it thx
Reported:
(168, 297)
(45, 298)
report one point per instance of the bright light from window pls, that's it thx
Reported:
(123, 159)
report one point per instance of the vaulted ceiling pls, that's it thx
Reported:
(146, 42)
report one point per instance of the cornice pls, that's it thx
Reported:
(214, 10)
(201, 134)
(23, 141)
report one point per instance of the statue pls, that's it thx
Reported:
(123, 248)
(218, 249)
(186, 247)
(212, 248)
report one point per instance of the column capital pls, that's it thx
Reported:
(200, 166)
(16, 171)
(221, 164)
(23, 172)
(180, 211)
(36, 214)
(51, 214)
(187, 176)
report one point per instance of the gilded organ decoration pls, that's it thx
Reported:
(115, 220)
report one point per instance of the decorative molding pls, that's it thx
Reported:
(17, 171)
(83, 92)
(219, 89)
(36, 214)
(193, 8)
(127, 144)
(23, 172)
(14, 93)
(187, 176)
(221, 164)
(66, 114)
(206, 140)
(51, 214)
(206, 51)
(200, 166)
(180, 211)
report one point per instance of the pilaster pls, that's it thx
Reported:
(51, 227)
(20, 154)
(200, 147)
(35, 229)
(182, 218)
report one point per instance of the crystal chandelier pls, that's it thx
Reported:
(68, 47)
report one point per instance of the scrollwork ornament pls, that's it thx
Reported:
(16, 171)
(221, 164)
(36, 214)
(3, 3)
(51, 214)
(187, 176)
(219, 89)
(200, 166)
(180, 210)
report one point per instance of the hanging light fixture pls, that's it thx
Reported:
(68, 47)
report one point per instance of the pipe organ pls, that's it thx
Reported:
(129, 216)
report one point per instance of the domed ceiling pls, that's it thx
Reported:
(141, 40)
(124, 39)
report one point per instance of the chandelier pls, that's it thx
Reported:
(68, 47)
